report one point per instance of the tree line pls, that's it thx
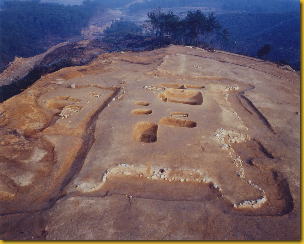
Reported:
(29, 27)
(164, 28)
(195, 28)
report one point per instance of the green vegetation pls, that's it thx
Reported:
(194, 29)
(162, 29)
(27, 26)
(120, 30)
(126, 35)
(251, 25)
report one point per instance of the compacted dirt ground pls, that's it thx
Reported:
(172, 144)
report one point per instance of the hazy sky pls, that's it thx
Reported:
(80, 1)
(74, 2)
(64, 1)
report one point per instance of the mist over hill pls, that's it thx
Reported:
(250, 24)
(272, 6)
(150, 120)
(250, 31)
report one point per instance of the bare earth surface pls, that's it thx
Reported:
(173, 144)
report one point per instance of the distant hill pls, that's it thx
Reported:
(248, 32)
(251, 24)
(257, 6)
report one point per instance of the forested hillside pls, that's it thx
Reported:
(250, 24)
(29, 27)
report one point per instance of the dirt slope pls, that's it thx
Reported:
(176, 144)
(23, 72)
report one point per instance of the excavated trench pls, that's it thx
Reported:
(87, 142)
(257, 156)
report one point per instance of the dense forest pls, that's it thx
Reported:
(194, 29)
(27, 26)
